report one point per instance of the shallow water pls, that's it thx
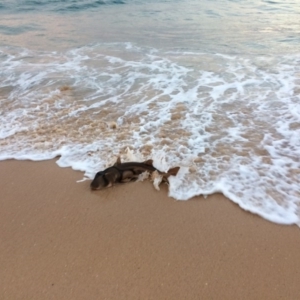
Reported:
(212, 86)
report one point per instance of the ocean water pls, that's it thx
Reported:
(211, 86)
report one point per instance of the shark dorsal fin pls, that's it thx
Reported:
(118, 162)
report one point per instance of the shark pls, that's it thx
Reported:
(126, 172)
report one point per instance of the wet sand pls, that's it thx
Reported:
(59, 240)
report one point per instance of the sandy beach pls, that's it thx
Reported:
(59, 240)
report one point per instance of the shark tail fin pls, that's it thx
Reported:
(173, 171)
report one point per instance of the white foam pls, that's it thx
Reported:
(232, 123)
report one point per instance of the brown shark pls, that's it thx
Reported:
(125, 172)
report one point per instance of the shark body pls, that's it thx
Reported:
(125, 172)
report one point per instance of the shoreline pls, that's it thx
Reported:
(59, 240)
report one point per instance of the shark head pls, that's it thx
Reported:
(99, 182)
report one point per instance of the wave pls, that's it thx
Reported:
(231, 122)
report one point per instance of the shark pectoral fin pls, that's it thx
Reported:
(127, 176)
(118, 162)
(134, 177)
(111, 178)
(148, 162)
(129, 179)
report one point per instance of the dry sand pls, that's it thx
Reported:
(59, 240)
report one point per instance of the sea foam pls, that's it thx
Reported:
(232, 123)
